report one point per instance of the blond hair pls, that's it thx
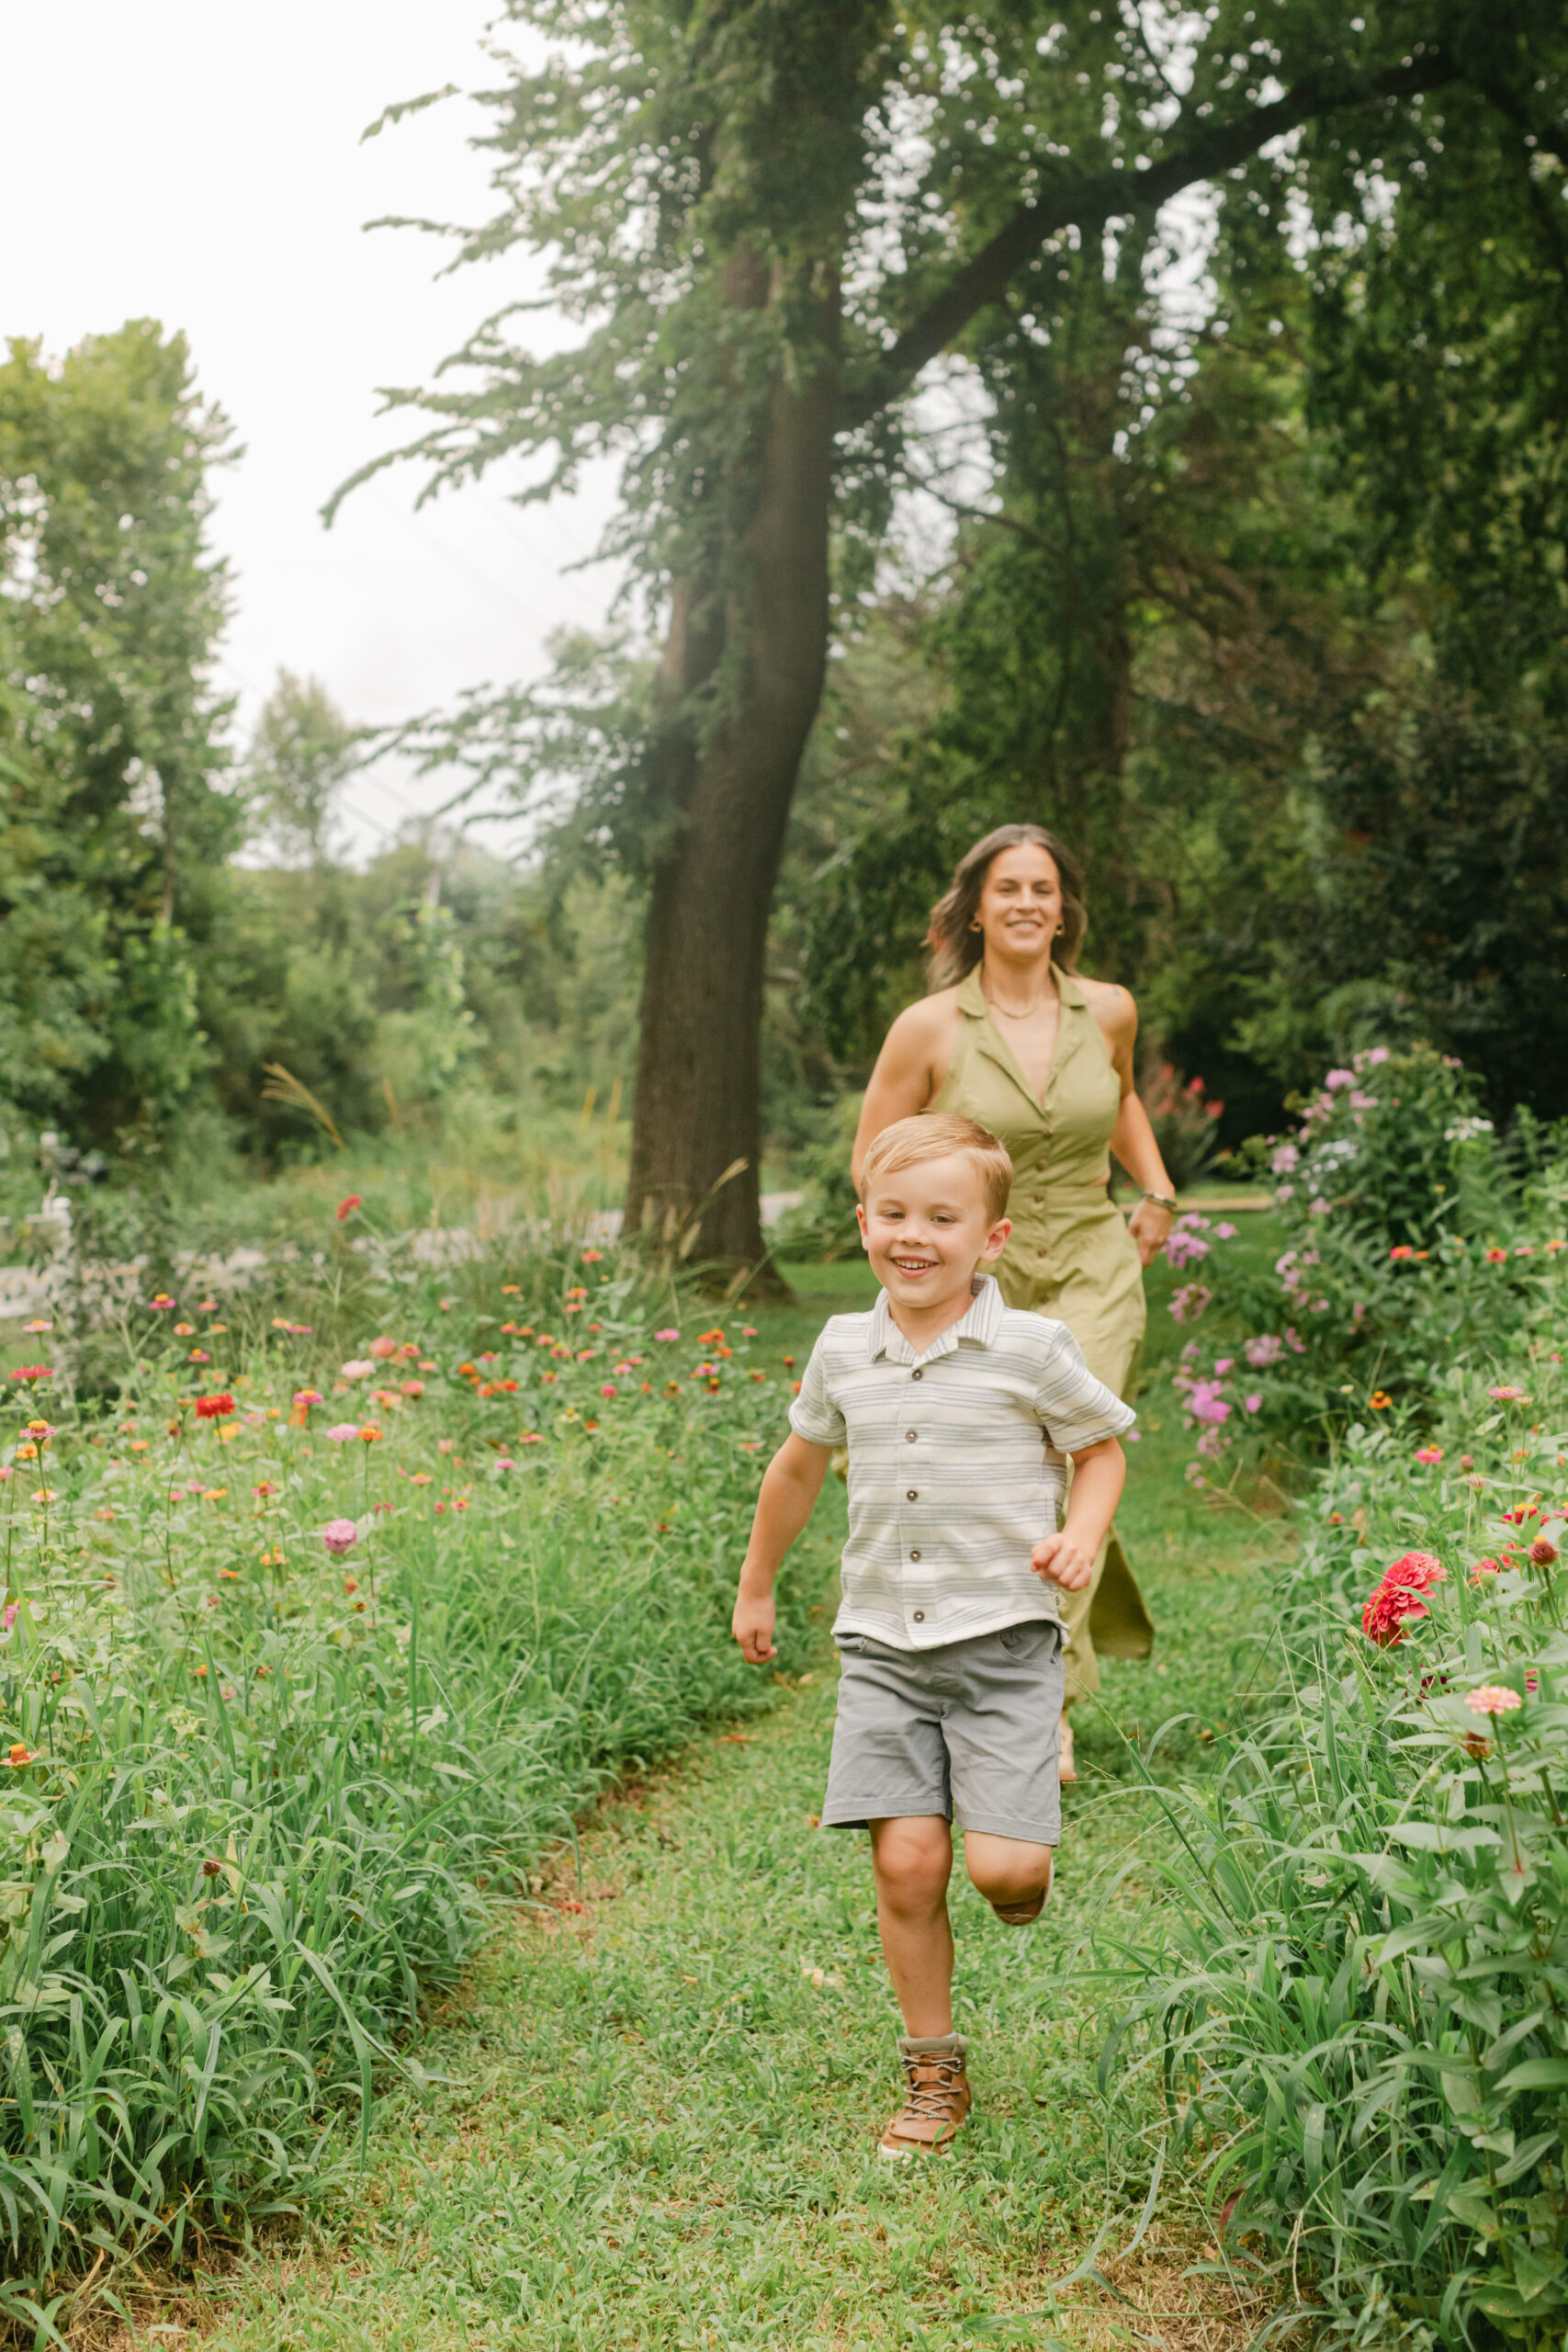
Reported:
(936, 1135)
(956, 946)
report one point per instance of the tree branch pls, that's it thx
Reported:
(1094, 198)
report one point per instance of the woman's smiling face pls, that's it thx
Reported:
(1021, 902)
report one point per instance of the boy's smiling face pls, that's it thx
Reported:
(926, 1229)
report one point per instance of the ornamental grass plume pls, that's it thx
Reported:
(1398, 1597)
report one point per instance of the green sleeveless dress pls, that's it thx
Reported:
(1069, 1255)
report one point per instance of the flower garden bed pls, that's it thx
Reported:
(1353, 1991)
(303, 1654)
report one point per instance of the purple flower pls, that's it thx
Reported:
(1185, 1247)
(1205, 1402)
(1250, 1404)
(1189, 1302)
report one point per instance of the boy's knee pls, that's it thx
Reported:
(913, 1859)
(1009, 1873)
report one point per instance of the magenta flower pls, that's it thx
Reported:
(1428, 1453)
(667, 1335)
(341, 1431)
(340, 1535)
(607, 1388)
(1254, 1403)
(1338, 1077)
(307, 1397)
(1267, 1349)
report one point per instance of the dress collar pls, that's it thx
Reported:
(978, 1326)
(973, 1000)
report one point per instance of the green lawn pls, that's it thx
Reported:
(664, 2079)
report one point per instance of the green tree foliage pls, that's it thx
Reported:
(301, 755)
(769, 224)
(115, 816)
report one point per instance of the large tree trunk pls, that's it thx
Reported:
(756, 634)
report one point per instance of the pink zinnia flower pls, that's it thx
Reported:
(341, 1431)
(340, 1535)
(307, 1397)
(667, 1335)
(383, 1348)
(608, 1388)
(1428, 1453)
(1492, 1699)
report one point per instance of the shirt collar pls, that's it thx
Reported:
(978, 1326)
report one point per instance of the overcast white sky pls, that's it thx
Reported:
(202, 165)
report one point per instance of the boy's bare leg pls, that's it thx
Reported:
(912, 1857)
(1013, 1873)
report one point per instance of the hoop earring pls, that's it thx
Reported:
(976, 924)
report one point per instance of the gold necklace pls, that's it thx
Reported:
(1007, 1010)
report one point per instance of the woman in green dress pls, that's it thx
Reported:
(1011, 1037)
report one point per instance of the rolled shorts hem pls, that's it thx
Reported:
(899, 1808)
(1045, 1833)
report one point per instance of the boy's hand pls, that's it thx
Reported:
(753, 1626)
(1060, 1560)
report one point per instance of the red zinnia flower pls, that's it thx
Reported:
(347, 1207)
(1398, 1596)
(213, 1408)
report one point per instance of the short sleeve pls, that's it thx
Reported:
(813, 1415)
(1077, 1409)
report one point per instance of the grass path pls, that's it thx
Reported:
(665, 2078)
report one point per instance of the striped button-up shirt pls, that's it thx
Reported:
(957, 1464)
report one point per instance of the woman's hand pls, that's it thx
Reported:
(1149, 1225)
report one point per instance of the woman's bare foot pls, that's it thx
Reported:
(1065, 1770)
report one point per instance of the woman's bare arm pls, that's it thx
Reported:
(1132, 1139)
(909, 1068)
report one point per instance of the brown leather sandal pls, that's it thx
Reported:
(939, 2098)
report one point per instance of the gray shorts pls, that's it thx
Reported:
(968, 1731)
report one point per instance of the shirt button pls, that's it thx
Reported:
(917, 1376)
(919, 1616)
(909, 1436)
(914, 1494)
(914, 1555)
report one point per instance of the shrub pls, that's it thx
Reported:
(1407, 1242)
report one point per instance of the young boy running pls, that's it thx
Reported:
(960, 1414)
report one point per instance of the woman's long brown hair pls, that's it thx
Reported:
(955, 948)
